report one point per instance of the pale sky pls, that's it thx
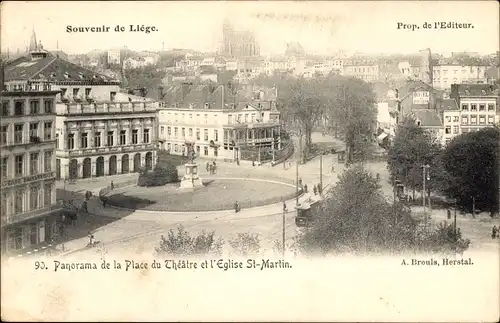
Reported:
(320, 27)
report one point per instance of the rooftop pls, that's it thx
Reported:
(465, 90)
(49, 68)
(427, 118)
(411, 87)
(447, 104)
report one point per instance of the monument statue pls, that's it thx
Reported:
(191, 178)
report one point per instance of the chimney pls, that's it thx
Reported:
(160, 93)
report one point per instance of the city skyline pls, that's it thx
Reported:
(322, 28)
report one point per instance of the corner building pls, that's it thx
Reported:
(28, 192)
(99, 131)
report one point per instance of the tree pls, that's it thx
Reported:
(412, 148)
(180, 243)
(356, 218)
(164, 172)
(245, 244)
(351, 109)
(472, 163)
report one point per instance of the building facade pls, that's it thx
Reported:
(477, 104)
(365, 70)
(446, 75)
(238, 43)
(29, 210)
(98, 130)
(219, 127)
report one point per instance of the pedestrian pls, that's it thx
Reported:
(236, 207)
(333, 169)
(104, 201)
(305, 188)
(315, 190)
(494, 232)
(84, 207)
(208, 167)
(284, 206)
(112, 185)
(320, 189)
(300, 182)
(448, 214)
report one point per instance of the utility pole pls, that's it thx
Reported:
(321, 172)
(297, 184)
(424, 177)
(284, 214)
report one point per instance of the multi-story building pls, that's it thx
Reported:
(477, 104)
(446, 75)
(220, 125)
(28, 193)
(415, 95)
(365, 70)
(99, 131)
(114, 56)
(450, 114)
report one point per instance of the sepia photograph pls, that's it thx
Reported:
(250, 161)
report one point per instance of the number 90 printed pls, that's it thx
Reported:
(40, 265)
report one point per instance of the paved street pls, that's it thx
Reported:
(140, 231)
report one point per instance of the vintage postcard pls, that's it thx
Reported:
(250, 161)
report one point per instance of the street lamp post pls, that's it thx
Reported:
(297, 183)
(321, 173)
(424, 178)
(284, 214)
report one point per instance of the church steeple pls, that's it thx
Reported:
(33, 44)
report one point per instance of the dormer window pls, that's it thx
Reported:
(66, 75)
(52, 75)
(206, 105)
(80, 75)
(467, 92)
(484, 92)
(418, 122)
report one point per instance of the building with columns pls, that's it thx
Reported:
(99, 131)
(29, 210)
(221, 125)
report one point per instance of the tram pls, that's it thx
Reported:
(306, 212)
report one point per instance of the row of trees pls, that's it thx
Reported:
(346, 104)
(355, 219)
(465, 171)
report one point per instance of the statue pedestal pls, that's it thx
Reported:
(191, 179)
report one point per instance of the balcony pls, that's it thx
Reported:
(74, 108)
(45, 210)
(84, 152)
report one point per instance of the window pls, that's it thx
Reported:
(198, 150)
(57, 141)
(33, 163)
(5, 108)
(19, 108)
(216, 135)
(206, 115)
(110, 138)
(190, 132)
(465, 107)
(246, 117)
(169, 131)
(47, 130)
(176, 148)
(473, 120)
(87, 92)
(183, 132)
(168, 146)
(4, 204)
(47, 161)
(491, 120)
(448, 119)
(97, 139)
(491, 107)
(253, 117)
(19, 165)
(84, 140)
(71, 141)
(465, 120)
(473, 107)
(5, 167)
(47, 194)
(35, 107)
(3, 134)
(482, 107)
(48, 104)
(112, 96)
(18, 133)
(176, 132)
(197, 134)
(146, 136)
(123, 137)
(162, 130)
(205, 134)
(205, 151)
(34, 191)
(456, 119)
(75, 92)
(447, 130)
(18, 202)
(63, 92)
(135, 136)
(230, 119)
(455, 129)
(33, 132)
(239, 118)
(482, 120)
